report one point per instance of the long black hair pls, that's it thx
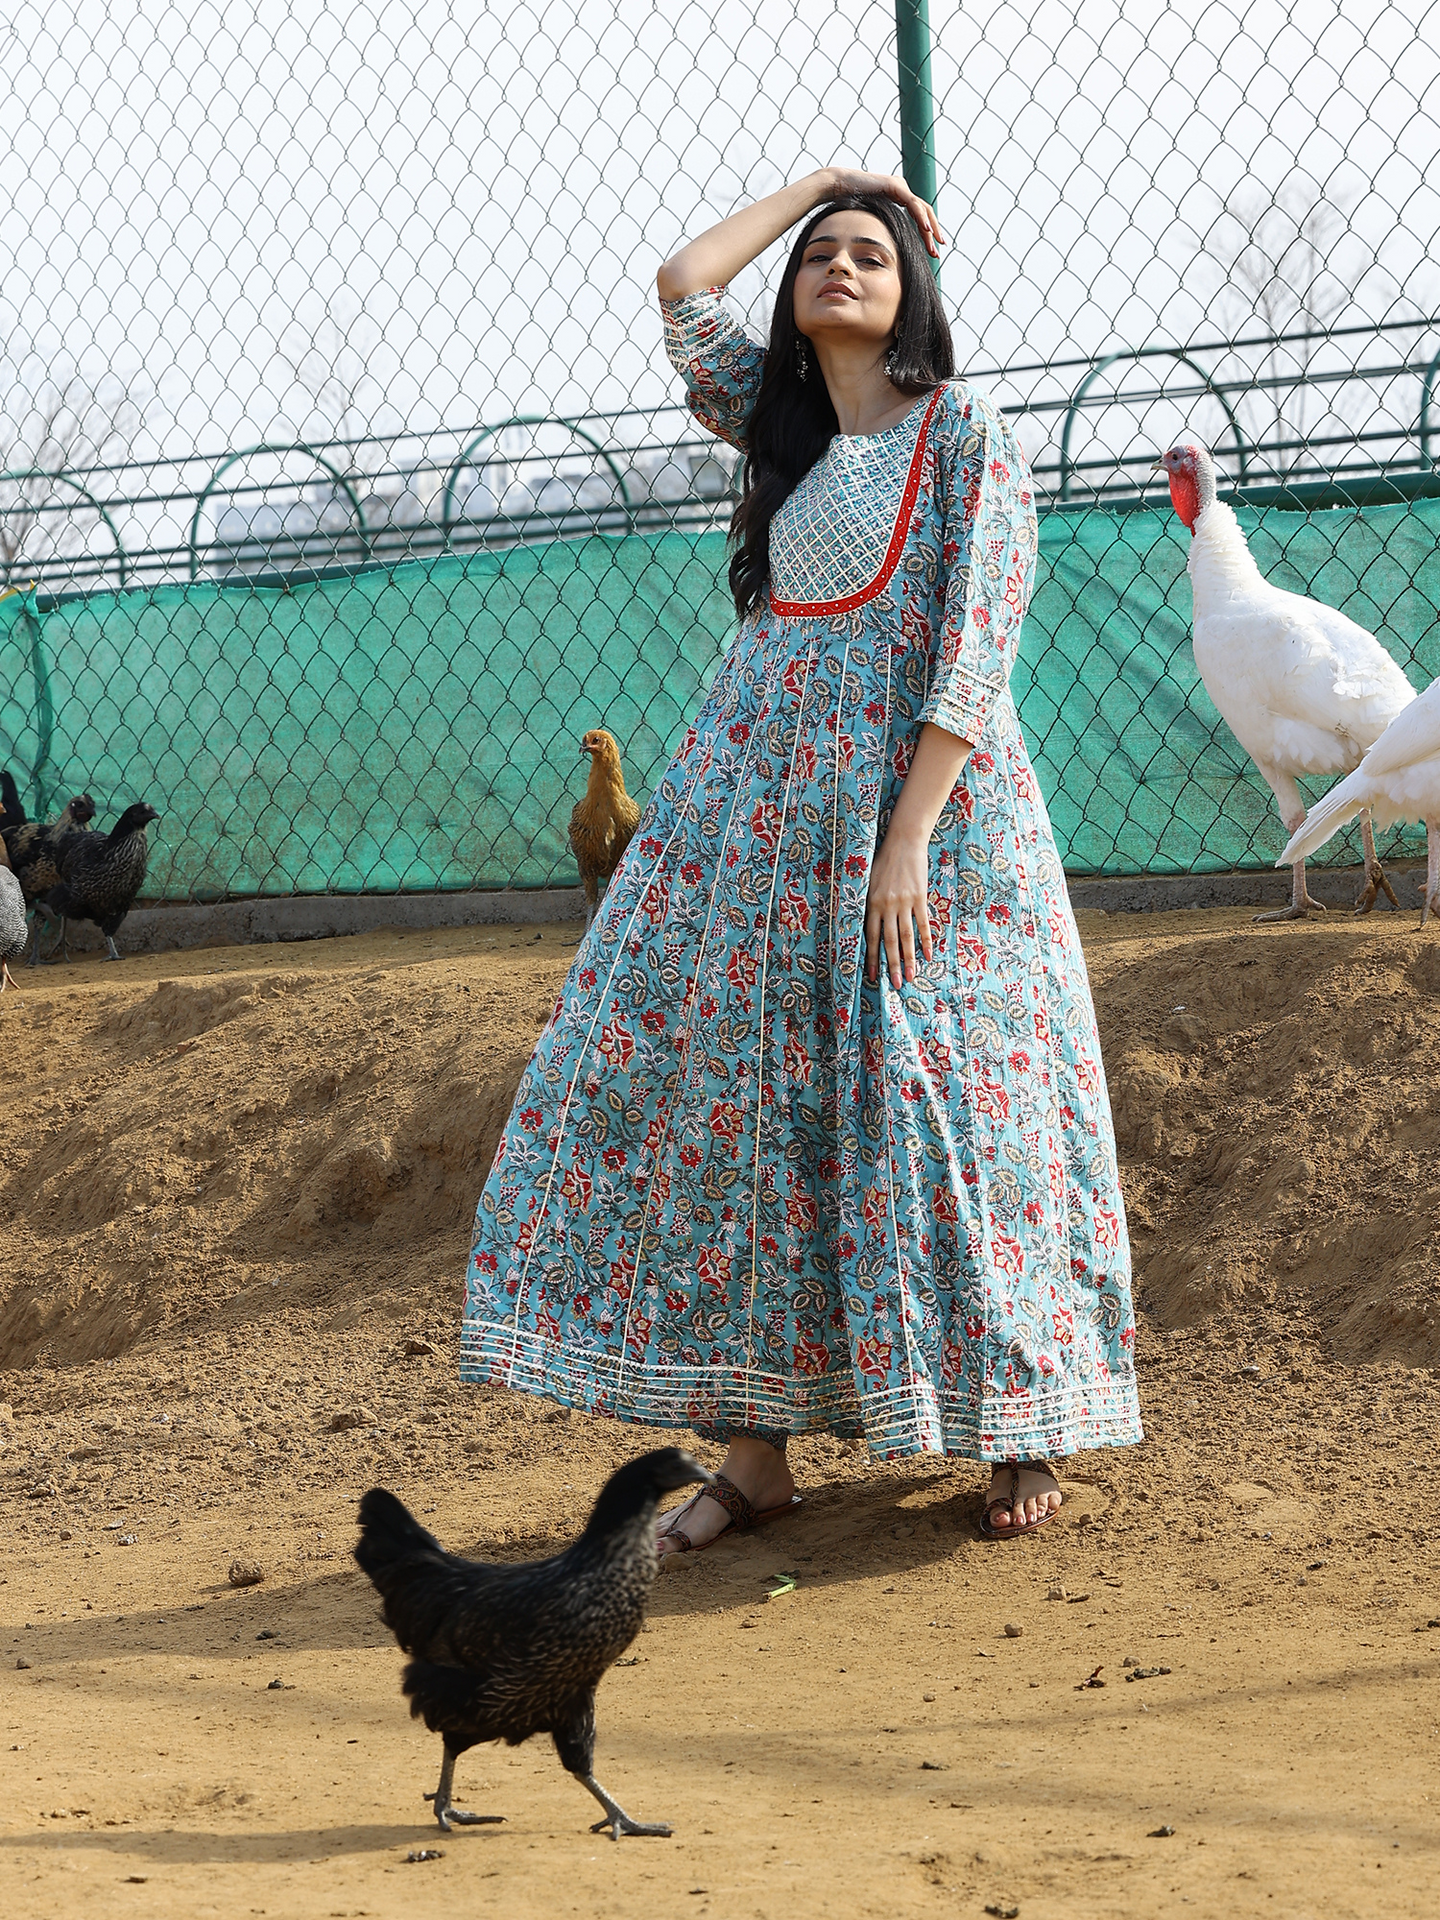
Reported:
(794, 420)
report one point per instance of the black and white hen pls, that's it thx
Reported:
(501, 1652)
(100, 875)
(14, 928)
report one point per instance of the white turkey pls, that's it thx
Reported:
(1303, 689)
(1399, 779)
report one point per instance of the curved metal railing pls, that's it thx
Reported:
(336, 473)
(1384, 452)
(466, 459)
(63, 479)
(1103, 364)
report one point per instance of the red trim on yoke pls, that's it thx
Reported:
(799, 608)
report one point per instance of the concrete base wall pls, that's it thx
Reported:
(322, 917)
(1165, 893)
(235, 923)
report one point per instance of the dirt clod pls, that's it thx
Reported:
(245, 1573)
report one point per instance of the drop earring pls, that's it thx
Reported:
(802, 357)
(890, 363)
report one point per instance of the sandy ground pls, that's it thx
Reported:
(234, 1208)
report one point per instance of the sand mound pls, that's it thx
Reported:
(1278, 1114)
(215, 1127)
(190, 1144)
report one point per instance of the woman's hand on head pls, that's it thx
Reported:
(888, 186)
(897, 906)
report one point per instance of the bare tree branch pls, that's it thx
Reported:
(331, 366)
(54, 423)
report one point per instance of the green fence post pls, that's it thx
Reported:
(917, 103)
(42, 774)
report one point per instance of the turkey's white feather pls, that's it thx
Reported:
(1399, 779)
(1303, 688)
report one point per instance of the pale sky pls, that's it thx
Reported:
(478, 194)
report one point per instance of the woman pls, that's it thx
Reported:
(817, 1136)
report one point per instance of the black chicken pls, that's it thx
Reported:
(100, 875)
(37, 850)
(501, 1652)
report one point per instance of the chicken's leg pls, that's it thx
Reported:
(1375, 880)
(616, 1820)
(7, 979)
(445, 1812)
(57, 945)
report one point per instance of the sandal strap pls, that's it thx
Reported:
(726, 1494)
(683, 1541)
(1007, 1501)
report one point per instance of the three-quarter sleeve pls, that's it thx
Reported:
(991, 539)
(718, 361)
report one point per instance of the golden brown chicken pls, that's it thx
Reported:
(603, 822)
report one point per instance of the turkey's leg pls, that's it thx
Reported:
(1301, 905)
(7, 979)
(445, 1812)
(1292, 812)
(1431, 902)
(1375, 880)
(616, 1820)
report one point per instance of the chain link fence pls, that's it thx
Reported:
(345, 482)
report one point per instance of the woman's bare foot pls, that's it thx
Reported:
(761, 1474)
(1036, 1494)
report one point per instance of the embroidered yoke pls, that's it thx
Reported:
(743, 1189)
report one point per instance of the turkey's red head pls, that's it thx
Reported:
(1192, 480)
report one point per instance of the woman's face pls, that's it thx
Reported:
(848, 286)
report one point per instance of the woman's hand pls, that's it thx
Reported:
(714, 257)
(897, 906)
(900, 876)
(888, 186)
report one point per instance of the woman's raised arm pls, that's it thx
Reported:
(718, 254)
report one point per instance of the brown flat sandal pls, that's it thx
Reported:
(742, 1514)
(1007, 1501)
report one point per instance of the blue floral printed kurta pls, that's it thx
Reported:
(743, 1189)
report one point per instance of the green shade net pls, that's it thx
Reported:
(417, 726)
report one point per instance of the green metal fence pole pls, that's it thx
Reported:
(917, 102)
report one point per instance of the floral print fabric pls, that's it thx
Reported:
(742, 1188)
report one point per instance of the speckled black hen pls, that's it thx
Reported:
(501, 1652)
(36, 848)
(100, 875)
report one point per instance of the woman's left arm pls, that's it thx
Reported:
(987, 500)
(900, 878)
